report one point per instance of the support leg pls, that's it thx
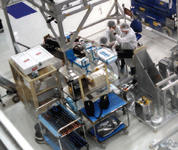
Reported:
(2, 101)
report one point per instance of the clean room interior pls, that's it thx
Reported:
(31, 29)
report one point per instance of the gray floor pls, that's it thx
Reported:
(30, 30)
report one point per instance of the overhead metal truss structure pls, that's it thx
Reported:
(52, 10)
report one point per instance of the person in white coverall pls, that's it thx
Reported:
(110, 31)
(127, 41)
(112, 66)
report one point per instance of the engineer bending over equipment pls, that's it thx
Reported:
(126, 41)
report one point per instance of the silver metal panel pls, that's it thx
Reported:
(147, 73)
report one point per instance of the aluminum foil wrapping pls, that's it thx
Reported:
(108, 126)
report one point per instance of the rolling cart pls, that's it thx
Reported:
(60, 127)
(11, 89)
(75, 81)
(98, 84)
(116, 103)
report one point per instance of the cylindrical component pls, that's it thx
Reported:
(1, 26)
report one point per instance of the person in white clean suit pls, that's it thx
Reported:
(112, 66)
(110, 31)
(127, 41)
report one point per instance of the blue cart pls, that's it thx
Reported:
(157, 14)
(116, 103)
(60, 127)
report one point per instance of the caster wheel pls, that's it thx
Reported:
(150, 147)
(9, 92)
(1, 30)
(103, 146)
(1, 102)
(124, 111)
(39, 137)
(135, 16)
(87, 146)
(81, 133)
(16, 99)
(139, 44)
(167, 31)
(126, 132)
